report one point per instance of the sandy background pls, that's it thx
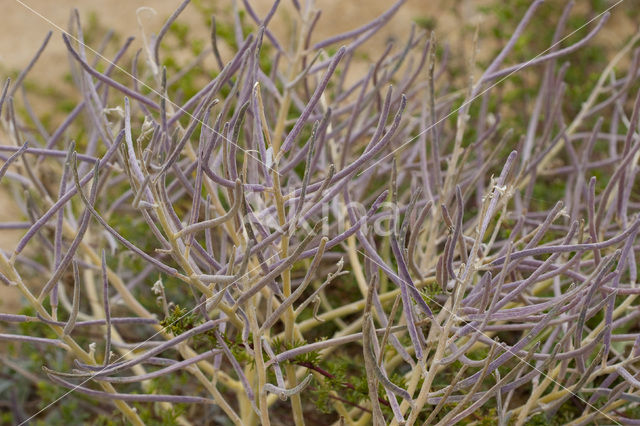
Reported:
(26, 22)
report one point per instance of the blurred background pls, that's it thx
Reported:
(26, 22)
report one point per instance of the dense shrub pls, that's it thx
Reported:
(280, 240)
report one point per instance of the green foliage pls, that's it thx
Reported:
(312, 357)
(429, 23)
(154, 415)
(179, 320)
(347, 379)
(180, 31)
(237, 348)
(429, 294)
(68, 413)
(106, 420)
(34, 328)
(563, 416)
